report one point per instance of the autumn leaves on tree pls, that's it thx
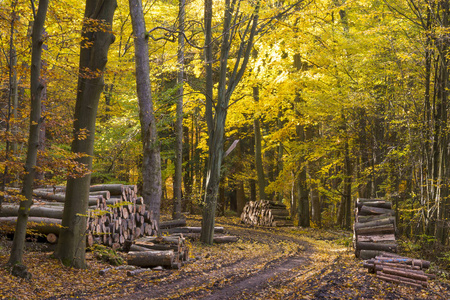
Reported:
(318, 103)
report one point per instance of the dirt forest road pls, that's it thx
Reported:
(287, 263)
(266, 263)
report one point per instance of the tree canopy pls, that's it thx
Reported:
(348, 98)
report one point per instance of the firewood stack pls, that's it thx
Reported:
(115, 214)
(165, 251)
(266, 213)
(399, 269)
(374, 228)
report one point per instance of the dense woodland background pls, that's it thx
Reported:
(339, 100)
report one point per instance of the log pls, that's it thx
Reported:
(62, 197)
(376, 246)
(362, 200)
(149, 259)
(12, 210)
(375, 203)
(368, 210)
(363, 219)
(376, 238)
(367, 254)
(135, 247)
(388, 228)
(384, 221)
(41, 225)
(409, 261)
(52, 238)
(114, 189)
(104, 194)
(404, 273)
(398, 279)
(172, 223)
(279, 212)
(376, 265)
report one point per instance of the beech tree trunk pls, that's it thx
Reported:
(226, 85)
(179, 117)
(302, 186)
(36, 86)
(97, 36)
(151, 165)
(258, 150)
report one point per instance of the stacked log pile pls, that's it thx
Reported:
(115, 214)
(399, 269)
(165, 251)
(266, 213)
(374, 228)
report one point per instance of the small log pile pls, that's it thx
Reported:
(266, 213)
(399, 269)
(165, 251)
(194, 233)
(374, 228)
(115, 214)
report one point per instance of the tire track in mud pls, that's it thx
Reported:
(243, 276)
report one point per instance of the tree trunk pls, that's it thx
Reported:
(33, 140)
(347, 190)
(316, 207)
(151, 165)
(11, 96)
(226, 85)
(258, 151)
(302, 186)
(240, 197)
(179, 116)
(96, 38)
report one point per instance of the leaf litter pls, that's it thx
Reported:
(266, 263)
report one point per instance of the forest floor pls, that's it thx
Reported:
(266, 263)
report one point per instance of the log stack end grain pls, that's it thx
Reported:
(115, 214)
(266, 213)
(374, 228)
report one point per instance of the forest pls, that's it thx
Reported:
(207, 105)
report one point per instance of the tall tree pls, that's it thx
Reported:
(12, 96)
(228, 81)
(258, 149)
(96, 37)
(179, 115)
(151, 165)
(36, 87)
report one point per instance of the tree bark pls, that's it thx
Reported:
(38, 224)
(179, 116)
(302, 186)
(10, 210)
(12, 86)
(216, 122)
(151, 165)
(97, 36)
(33, 140)
(151, 258)
(258, 150)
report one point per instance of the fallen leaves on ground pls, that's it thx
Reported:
(329, 271)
